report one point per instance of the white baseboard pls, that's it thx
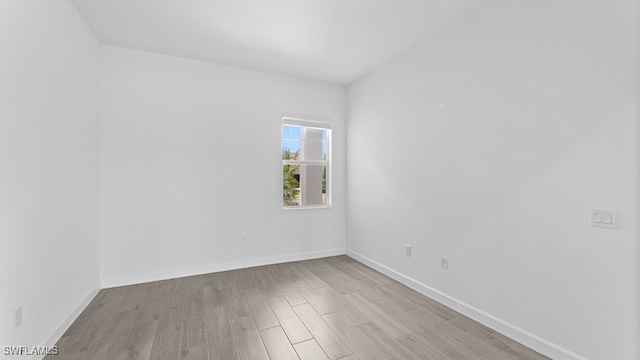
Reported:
(524, 337)
(69, 318)
(197, 270)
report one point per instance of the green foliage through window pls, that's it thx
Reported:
(290, 185)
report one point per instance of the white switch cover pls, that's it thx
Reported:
(597, 217)
(605, 219)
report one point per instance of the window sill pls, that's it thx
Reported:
(308, 207)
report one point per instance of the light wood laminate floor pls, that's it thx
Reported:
(330, 308)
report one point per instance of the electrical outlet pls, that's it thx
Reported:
(407, 249)
(17, 317)
(243, 238)
(444, 262)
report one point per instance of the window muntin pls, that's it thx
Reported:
(306, 159)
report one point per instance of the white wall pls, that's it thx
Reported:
(48, 167)
(190, 160)
(490, 143)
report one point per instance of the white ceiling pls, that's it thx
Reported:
(336, 41)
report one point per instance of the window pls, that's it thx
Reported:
(306, 163)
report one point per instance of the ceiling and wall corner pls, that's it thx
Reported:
(334, 41)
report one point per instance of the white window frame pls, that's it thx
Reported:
(306, 122)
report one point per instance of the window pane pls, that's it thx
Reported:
(295, 132)
(313, 151)
(291, 150)
(304, 185)
(291, 132)
(290, 185)
(313, 184)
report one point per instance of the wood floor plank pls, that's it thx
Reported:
(170, 317)
(485, 351)
(355, 281)
(374, 275)
(140, 341)
(71, 344)
(176, 285)
(234, 301)
(397, 299)
(289, 272)
(260, 310)
(471, 327)
(355, 274)
(156, 290)
(277, 344)
(392, 346)
(419, 347)
(194, 287)
(320, 304)
(77, 356)
(99, 325)
(395, 312)
(111, 345)
(149, 311)
(429, 328)
(383, 320)
(289, 320)
(82, 322)
(195, 353)
(478, 350)
(268, 281)
(250, 346)
(213, 292)
(330, 277)
(515, 349)
(372, 294)
(115, 294)
(165, 346)
(424, 302)
(355, 339)
(352, 313)
(329, 341)
(310, 350)
(302, 269)
(194, 326)
(292, 294)
(221, 342)
(350, 357)
(134, 295)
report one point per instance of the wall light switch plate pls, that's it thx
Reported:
(605, 219)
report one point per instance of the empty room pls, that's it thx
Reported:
(320, 179)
